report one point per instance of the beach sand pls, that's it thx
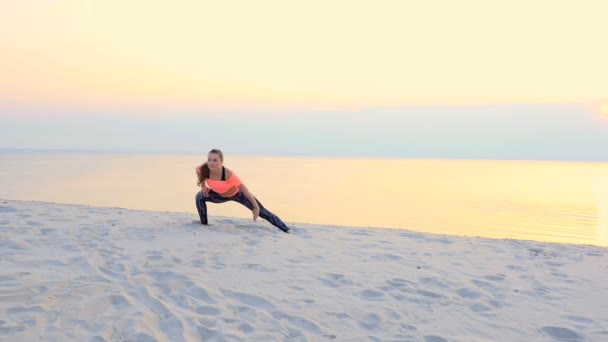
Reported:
(80, 273)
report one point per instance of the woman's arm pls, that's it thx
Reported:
(246, 192)
(204, 188)
(249, 196)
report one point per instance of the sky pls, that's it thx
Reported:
(468, 79)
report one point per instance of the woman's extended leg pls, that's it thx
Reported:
(264, 213)
(201, 204)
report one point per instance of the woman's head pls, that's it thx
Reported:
(215, 160)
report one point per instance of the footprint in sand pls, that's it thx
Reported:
(602, 334)
(52, 263)
(394, 315)
(13, 277)
(560, 275)
(416, 236)
(39, 289)
(535, 251)
(485, 285)
(106, 252)
(497, 303)
(400, 297)
(258, 267)
(117, 268)
(18, 245)
(302, 323)
(251, 242)
(33, 223)
(433, 338)
(28, 316)
(71, 248)
(247, 299)
(580, 320)
(53, 219)
(468, 293)
(119, 302)
(214, 335)
(370, 321)
(562, 334)
(246, 328)
(515, 267)
(478, 307)
(444, 241)
(386, 257)
(433, 282)
(198, 263)
(154, 255)
(47, 231)
(169, 323)
(340, 315)
(399, 282)
(335, 280)
(4, 209)
(218, 265)
(208, 310)
(201, 294)
(408, 326)
(162, 275)
(359, 233)
(497, 277)
(371, 294)
(429, 294)
(6, 330)
(230, 222)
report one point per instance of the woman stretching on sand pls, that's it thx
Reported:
(219, 184)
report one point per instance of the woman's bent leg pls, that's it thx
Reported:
(201, 205)
(264, 213)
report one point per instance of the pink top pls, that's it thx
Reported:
(222, 187)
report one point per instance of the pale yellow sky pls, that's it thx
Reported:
(305, 54)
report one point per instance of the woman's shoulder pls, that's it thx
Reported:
(231, 173)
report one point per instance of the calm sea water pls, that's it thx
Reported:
(544, 201)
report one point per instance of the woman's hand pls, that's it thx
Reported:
(205, 191)
(256, 213)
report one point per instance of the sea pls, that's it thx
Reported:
(550, 201)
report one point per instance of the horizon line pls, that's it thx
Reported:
(279, 154)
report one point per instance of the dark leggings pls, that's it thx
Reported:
(214, 197)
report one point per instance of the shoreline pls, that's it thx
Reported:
(303, 224)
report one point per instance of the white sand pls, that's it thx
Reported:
(78, 273)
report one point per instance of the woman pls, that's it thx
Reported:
(219, 184)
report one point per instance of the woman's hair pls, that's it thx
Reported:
(219, 152)
(203, 173)
(203, 170)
